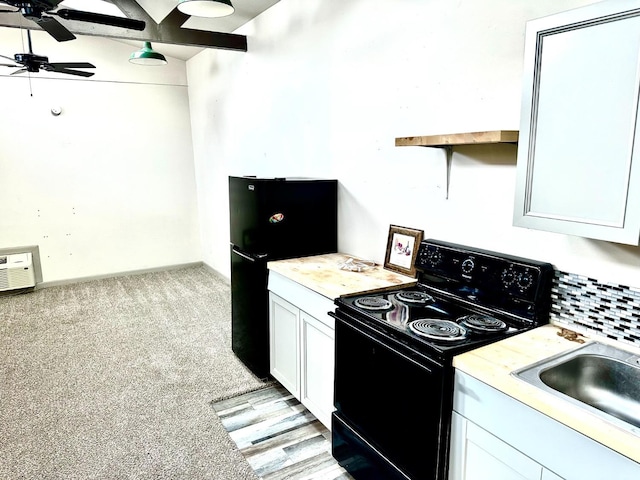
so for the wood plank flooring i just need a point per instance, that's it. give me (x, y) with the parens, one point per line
(279, 437)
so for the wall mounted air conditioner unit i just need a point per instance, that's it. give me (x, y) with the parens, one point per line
(16, 271)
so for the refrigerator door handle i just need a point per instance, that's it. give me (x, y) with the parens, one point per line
(258, 256)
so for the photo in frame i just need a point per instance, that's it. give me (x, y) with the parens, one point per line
(402, 248)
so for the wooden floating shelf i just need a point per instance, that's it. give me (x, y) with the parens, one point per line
(473, 138)
(449, 141)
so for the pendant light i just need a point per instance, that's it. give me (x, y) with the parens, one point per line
(206, 8)
(147, 56)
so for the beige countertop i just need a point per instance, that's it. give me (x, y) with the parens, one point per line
(493, 364)
(322, 274)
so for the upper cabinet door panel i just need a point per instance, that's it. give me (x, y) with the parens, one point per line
(578, 171)
(587, 78)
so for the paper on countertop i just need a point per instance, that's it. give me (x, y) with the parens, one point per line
(353, 265)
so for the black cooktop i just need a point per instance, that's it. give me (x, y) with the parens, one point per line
(465, 298)
(437, 315)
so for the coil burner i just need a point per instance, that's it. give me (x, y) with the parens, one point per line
(373, 303)
(438, 330)
(414, 297)
(482, 323)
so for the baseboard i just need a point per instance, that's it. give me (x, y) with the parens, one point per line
(222, 277)
(68, 281)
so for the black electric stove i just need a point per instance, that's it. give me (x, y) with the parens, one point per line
(436, 326)
(397, 347)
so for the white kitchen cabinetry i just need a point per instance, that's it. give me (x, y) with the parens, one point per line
(578, 167)
(494, 436)
(478, 455)
(301, 344)
(549, 475)
(284, 332)
(317, 360)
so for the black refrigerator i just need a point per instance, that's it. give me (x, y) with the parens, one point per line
(272, 219)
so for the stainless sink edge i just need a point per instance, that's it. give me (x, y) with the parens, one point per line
(531, 375)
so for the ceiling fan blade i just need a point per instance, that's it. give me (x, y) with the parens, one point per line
(7, 65)
(19, 71)
(54, 28)
(60, 68)
(101, 18)
(8, 58)
(72, 65)
(79, 73)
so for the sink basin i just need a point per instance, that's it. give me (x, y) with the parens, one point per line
(598, 377)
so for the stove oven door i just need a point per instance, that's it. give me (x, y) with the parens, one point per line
(393, 407)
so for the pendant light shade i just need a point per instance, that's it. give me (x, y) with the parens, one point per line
(206, 8)
(147, 56)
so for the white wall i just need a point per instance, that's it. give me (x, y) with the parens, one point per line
(324, 90)
(326, 87)
(108, 186)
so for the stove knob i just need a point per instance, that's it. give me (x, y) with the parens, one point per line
(508, 277)
(525, 280)
(467, 266)
(434, 258)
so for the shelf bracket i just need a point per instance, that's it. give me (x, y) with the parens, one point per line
(449, 152)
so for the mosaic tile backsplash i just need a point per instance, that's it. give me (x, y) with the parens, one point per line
(605, 309)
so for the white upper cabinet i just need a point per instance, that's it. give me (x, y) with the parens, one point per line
(578, 162)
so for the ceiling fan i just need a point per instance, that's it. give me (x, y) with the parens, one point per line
(40, 12)
(30, 62)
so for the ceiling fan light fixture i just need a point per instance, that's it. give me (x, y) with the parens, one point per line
(206, 8)
(147, 56)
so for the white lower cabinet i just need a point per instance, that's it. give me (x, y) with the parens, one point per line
(284, 331)
(317, 360)
(496, 437)
(478, 455)
(301, 344)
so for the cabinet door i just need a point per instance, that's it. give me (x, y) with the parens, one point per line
(317, 341)
(284, 328)
(478, 455)
(549, 475)
(578, 162)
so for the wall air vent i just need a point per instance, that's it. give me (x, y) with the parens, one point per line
(16, 272)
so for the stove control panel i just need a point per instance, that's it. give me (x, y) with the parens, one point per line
(491, 278)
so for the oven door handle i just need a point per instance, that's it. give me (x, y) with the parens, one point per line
(394, 345)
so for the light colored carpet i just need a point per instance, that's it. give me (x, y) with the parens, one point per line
(114, 379)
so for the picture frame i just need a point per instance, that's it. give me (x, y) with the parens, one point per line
(402, 249)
